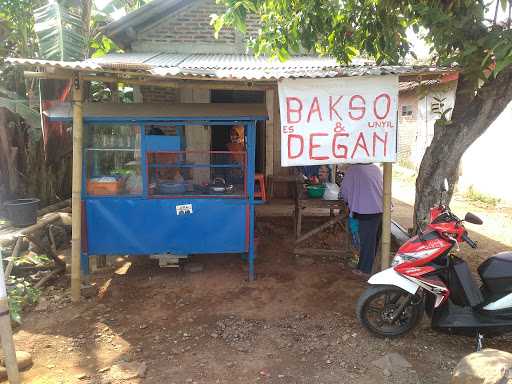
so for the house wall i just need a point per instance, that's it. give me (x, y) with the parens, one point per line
(407, 127)
(416, 132)
(160, 95)
(189, 31)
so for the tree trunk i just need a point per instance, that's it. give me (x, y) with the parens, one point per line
(472, 115)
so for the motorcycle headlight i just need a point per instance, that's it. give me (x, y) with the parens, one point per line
(398, 259)
(402, 257)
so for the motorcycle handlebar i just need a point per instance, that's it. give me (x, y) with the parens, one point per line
(466, 238)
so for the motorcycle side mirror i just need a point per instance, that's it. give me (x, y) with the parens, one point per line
(445, 185)
(473, 219)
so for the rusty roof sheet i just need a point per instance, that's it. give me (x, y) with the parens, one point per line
(227, 66)
(412, 85)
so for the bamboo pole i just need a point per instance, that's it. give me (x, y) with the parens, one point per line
(6, 332)
(386, 216)
(76, 190)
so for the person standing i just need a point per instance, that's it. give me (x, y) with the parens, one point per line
(361, 189)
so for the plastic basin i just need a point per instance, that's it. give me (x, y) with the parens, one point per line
(315, 191)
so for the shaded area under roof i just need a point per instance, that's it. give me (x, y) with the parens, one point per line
(227, 66)
(147, 111)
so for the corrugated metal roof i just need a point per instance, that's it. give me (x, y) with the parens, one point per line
(224, 66)
(72, 65)
(412, 85)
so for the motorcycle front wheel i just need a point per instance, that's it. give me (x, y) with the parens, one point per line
(388, 311)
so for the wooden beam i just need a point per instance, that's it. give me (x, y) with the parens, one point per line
(336, 219)
(386, 216)
(76, 189)
(153, 81)
(47, 75)
(179, 83)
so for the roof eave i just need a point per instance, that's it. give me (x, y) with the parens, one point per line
(123, 31)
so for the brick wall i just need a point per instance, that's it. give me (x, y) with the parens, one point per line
(189, 31)
(159, 95)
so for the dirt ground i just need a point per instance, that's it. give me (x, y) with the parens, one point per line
(294, 324)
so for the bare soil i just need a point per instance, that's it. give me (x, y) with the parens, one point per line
(294, 324)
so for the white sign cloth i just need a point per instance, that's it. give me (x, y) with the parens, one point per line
(338, 120)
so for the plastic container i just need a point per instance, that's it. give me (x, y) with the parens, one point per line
(315, 191)
(172, 188)
(331, 191)
(22, 212)
(101, 188)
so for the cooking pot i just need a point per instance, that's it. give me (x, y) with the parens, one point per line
(219, 186)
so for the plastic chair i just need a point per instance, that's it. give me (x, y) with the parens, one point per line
(260, 192)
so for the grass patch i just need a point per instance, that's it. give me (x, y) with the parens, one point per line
(408, 177)
(473, 195)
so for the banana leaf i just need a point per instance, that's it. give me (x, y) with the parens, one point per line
(60, 33)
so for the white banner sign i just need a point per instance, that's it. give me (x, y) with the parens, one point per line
(340, 120)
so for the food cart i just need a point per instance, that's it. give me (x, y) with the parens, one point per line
(148, 190)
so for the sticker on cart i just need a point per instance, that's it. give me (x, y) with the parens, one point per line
(185, 209)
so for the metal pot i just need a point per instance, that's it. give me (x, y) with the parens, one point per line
(219, 186)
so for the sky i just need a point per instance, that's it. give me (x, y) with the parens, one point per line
(100, 4)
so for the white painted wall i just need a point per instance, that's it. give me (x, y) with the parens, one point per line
(426, 118)
(486, 164)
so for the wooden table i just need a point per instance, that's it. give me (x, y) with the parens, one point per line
(338, 214)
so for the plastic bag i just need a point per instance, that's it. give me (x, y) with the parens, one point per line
(331, 191)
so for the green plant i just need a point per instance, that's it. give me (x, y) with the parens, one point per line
(474, 195)
(408, 177)
(31, 259)
(406, 162)
(60, 33)
(20, 292)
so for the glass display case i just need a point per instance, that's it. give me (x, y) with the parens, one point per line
(197, 173)
(113, 160)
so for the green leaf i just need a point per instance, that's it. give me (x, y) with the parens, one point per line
(60, 33)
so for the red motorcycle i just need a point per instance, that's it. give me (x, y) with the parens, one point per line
(427, 276)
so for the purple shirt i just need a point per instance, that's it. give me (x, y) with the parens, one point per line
(361, 188)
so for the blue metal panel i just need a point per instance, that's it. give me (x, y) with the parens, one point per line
(142, 226)
(162, 143)
(251, 164)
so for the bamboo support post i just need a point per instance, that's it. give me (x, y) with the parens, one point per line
(386, 216)
(8, 348)
(76, 190)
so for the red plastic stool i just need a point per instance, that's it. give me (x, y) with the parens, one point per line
(259, 179)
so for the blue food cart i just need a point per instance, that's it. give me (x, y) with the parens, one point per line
(150, 188)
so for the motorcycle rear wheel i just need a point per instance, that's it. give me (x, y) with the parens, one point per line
(378, 303)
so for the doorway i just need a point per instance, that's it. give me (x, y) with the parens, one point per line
(221, 133)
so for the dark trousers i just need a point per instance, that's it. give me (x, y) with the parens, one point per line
(369, 233)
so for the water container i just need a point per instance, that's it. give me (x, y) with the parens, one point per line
(22, 212)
